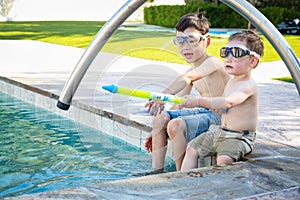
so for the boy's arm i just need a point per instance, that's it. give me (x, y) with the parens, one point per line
(186, 91)
(156, 107)
(183, 82)
(209, 66)
(235, 98)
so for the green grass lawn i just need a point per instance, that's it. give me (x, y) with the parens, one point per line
(155, 45)
(285, 78)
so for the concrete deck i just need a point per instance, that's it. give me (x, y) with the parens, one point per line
(272, 170)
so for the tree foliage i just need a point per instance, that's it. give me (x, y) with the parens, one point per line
(193, 1)
(5, 6)
(290, 4)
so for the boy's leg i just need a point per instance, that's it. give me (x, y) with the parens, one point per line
(231, 150)
(159, 134)
(159, 140)
(176, 131)
(187, 127)
(224, 159)
(190, 160)
(199, 147)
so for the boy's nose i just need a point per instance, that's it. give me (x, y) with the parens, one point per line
(185, 42)
(229, 57)
(228, 60)
(184, 45)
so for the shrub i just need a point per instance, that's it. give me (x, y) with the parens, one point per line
(219, 16)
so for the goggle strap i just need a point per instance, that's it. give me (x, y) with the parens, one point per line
(206, 35)
(255, 54)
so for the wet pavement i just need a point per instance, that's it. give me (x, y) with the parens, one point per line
(272, 170)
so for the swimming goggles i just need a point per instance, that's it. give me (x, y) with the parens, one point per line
(191, 39)
(237, 52)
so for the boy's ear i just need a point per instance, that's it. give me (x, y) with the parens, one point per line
(254, 61)
(207, 41)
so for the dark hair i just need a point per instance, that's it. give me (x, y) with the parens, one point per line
(195, 20)
(252, 39)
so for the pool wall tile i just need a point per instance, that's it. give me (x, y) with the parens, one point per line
(134, 136)
(107, 126)
(71, 113)
(17, 91)
(29, 97)
(84, 117)
(120, 131)
(98, 121)
(9, 89)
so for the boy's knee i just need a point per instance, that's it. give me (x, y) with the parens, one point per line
(224, 159)
(160, 120)
(175, 126)
(191, 152)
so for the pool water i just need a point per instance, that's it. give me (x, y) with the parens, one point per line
(213, 32)
(42, 151)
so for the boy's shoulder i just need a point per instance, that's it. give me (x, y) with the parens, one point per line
(246, 81)
(213, 62)
(249, 85)
(213, 59)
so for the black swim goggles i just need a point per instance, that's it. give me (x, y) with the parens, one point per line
(237, 52)
(192, 39)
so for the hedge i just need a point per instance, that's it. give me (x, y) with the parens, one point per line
(219, 16)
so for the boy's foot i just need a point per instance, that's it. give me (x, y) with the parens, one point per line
(157, 171)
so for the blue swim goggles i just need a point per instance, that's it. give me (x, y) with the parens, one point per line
(237, 52)
(192, 39)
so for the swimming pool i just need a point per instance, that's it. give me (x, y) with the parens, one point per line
(213, 32)
(42, 151)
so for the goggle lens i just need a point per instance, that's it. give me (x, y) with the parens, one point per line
(237, 52)
(191, 40)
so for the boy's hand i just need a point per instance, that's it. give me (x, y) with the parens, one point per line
(190, 102)
(217, 111)
(154, 107)
(148, 144)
